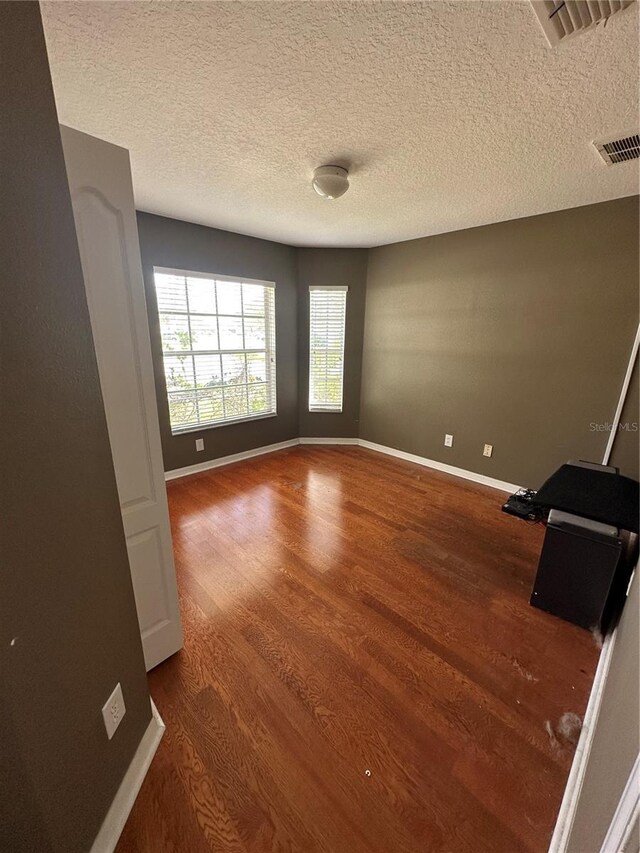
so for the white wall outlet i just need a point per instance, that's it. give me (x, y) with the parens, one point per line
(199, 443)
(113, 711)
(448, 440)
(488, 450)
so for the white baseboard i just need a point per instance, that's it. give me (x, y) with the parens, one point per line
(113, 824)
(358, 442)
(441, 466)
(569, 805)
(227, 460)
(312, 440)
(625, 819)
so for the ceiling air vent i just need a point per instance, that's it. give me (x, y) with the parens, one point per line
(563, 18)
(619, 150)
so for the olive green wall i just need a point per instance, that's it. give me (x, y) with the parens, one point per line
(626, 445)
(182, 245)
(321, 267)
(69, 630)
(516, 334)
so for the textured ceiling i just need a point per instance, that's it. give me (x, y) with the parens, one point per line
(448, 114)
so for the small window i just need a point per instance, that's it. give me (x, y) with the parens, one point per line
(218, 348)
(327, 313)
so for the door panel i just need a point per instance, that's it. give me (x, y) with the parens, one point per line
(102, 195)
(105, 265)
(145, 554)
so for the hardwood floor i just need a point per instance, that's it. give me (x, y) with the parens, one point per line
(362, 670)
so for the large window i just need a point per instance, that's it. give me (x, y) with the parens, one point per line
(326, 347)
(218, 346)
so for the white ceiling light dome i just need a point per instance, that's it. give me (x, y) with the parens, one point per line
(330, 181)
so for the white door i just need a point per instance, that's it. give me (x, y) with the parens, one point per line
(102, 195)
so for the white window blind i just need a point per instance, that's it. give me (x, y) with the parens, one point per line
(327, 314)
(218, 347)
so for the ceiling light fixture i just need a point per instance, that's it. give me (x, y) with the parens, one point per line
(330, 181)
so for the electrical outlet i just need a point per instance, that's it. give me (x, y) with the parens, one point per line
(488, 450)
(448, 440)
(113, 711)
(199, 443)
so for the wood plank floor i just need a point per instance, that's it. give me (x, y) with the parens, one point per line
(362, 670)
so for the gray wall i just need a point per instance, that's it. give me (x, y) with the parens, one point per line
(616, 740)
(182, 245)
(516, 334)
(625, 453)
(69, 627)
(318, 267)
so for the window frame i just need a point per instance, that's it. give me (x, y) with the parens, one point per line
(324, 408)
(269, 350)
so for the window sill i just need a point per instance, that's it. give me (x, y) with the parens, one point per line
(202, 427)
(325, 410)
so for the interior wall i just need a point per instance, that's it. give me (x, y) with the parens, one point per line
(516, 334)
(180, 245)
(69, 626)
(323, 267)
(616, 740)
(625, 453)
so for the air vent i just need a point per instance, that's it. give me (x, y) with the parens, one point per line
(619, 150)
(563, 18)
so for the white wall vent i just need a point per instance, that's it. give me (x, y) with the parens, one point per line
(619, 150)
(563, 18)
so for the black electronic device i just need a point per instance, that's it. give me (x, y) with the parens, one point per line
(520, 505)
(591, 543)
(579, 573)
(593, 491)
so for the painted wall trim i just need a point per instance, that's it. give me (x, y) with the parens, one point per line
(569, 805)
(441, 466)
(228, 460)
(623, 396)
(501, 485)
(313, 440)
(626, 815)
(113, 824)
